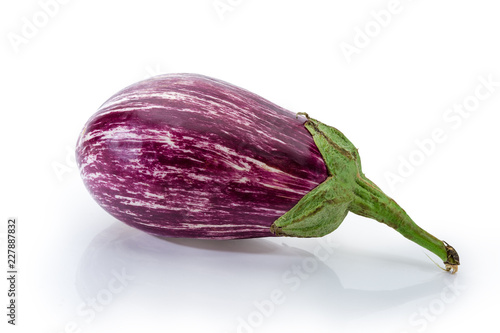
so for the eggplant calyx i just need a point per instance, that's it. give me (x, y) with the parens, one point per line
(346, 189)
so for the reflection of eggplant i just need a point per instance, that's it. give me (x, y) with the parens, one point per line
(223, 279)
(185, 155)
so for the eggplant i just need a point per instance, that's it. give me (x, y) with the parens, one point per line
(186, 155)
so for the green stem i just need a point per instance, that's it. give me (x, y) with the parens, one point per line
(347, 189)
(370, 201)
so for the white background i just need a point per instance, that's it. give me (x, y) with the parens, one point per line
(59, 62)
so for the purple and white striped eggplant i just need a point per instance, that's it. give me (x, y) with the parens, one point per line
(185, 155)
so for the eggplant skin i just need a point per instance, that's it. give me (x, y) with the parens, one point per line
(186, 155)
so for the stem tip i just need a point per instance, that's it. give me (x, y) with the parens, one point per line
(453, 260)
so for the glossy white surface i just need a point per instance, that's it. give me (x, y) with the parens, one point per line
(82, 271)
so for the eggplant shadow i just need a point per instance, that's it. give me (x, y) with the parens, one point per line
(229, 282)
